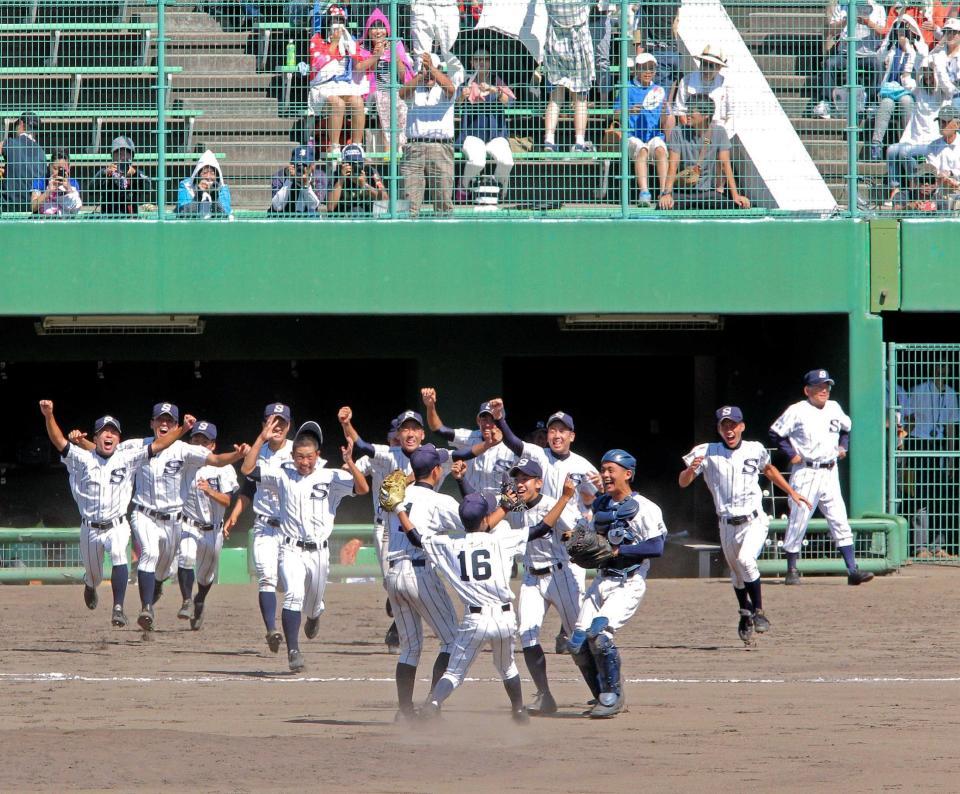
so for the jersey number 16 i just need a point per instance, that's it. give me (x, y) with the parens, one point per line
(479, 566)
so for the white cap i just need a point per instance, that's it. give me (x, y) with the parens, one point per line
(644, 57)
(952, 24)
(712, 54)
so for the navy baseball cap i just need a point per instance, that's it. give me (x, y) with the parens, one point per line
(817, 376)
(311, 429)
(473, 509)
(352, 153)
(621, 457)
(425, 459)
(394, 426)
(731, 412)
(208, 429)
(277, 409)
(484, 409)
(527, 466)
(407, 416)
(166, 408)
(105, 421)
(302, 155)
(561, 417)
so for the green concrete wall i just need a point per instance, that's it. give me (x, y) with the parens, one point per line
(930, 277)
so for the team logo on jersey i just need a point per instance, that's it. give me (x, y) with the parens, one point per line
(319, 491)
(654, 98)
(172, 468)
(117, 475)
(214, 483)
(575, 478)
(503, 466)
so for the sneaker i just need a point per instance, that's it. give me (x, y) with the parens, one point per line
(274, 638)
(90, 597)
(118, 619)
(461, 196)
(646, 200)
(311, 628)
(822, 110)
(561, 642)
(943, 554)
(392, 639)
(295, 660)
(858, 577)
(197, 620)
(429, 711)
(924, 554)
(582, 148)
(792, 577)
(549, 147)
(760, 622)
(608, 705)
(145, 618)
(186, 610)
(543, 705)
(520, 716)
(745, 626)
(334, 151)
(407, 714)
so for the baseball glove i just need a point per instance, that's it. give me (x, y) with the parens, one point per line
(509, 499)
(588, 549)
(393, 490)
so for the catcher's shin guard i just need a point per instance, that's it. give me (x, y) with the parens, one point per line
(583, 658)
(608, 665)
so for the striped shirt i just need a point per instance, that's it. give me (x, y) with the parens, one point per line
(200, 507)
(429, 512)
(477, 566)
(102, 486)
(266, 502)
(159, 481)
(548, 549)
(487, 471)
(732, 475)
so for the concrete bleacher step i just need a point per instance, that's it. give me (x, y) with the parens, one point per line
(252, 197)
(178, 21)
(250, 152)
(230, 127)
(825, 149)
(222, 83)
(220, 106)
(807, 22)
(834, 169)
(202, 63)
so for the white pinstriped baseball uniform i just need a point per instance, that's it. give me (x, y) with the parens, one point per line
(266, 524)
(477, 566)
(200, 546)
(732, 477)
(101, 488)
(412, 582)
(487, 471)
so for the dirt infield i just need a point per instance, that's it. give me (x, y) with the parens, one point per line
(854, 688)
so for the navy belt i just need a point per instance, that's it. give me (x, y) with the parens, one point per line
(156, 514)
(306, 545)
(544, 571)
(812, 465)
(270, 522)
(736, 521)
(478, 610)
(619, 573)
(113, 522)
(199, 525)
(414, 563)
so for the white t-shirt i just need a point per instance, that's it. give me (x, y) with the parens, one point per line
(945, 157)
(717, 89)
(478, 565)
(430, 111)
(732, 475)
(813, 432)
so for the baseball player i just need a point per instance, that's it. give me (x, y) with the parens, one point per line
(308, 495)
(101, 480)
(731, 469)
(157, 501)
(206, 500)
(633, 525)
(487, 472)
(266, 526)
(815, 434)
(477, 566)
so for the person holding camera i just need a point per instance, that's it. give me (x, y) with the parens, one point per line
(204, 194)
(357, 186)
(121, 187)
(299, 188)
(59, 194)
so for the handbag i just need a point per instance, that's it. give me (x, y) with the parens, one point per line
(689, 177)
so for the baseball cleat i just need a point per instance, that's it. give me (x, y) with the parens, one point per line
(186, 610)
(274, 638)
(90, 597)
(760, 622)
(295, 660)
(392, 639)
(197, 620)
(858, 577)
(792, 577)
(406, 714)
(745, 627)
(145, 618)
(311, 628)
(543, 705)
(429, 710)
(561, 642)
(609, 705)
(118, 619)
(520, 716)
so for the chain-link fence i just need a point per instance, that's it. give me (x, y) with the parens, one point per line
(439, 108)
(923, 416)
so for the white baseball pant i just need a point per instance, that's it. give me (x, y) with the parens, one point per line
(491, 625)
(266, 554)
(94, 542)
(821, 487)
(613, 598)
(560, 589)
(741, 546)
(417, 594)
(431, 23)
(476, 151)
(304, 578)
(159, 544)
(200, 549)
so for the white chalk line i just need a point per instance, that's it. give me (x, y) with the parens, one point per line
(275, 678)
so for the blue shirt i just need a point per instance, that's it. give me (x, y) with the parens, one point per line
(645, 124)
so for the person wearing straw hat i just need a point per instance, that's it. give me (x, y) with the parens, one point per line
(707, 81)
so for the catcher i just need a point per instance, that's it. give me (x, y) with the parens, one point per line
(626, 531)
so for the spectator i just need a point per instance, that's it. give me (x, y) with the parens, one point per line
(569, 66)
(943, 154)
(655, 26)
(375, 35)
(25, 163)
(483, 126)
(922, 196)
(901, 52)
(357, 184)
(336, 85)
(300, 188)
(57, 194)
(600, 29)
(435, 22)
(204, 194)
(871, 21)
(646, 103)
(703, 149)
(428, 155)
(707, 81)
(946, 58)
(121, 187)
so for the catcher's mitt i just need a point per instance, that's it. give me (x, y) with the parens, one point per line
(509, 499)
(393, 490)
(588, 549)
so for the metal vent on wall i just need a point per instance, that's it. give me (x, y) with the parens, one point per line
(641, 322)
(120, 325)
